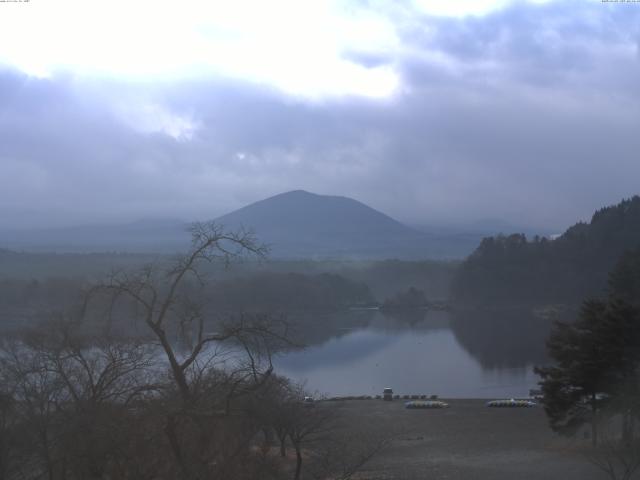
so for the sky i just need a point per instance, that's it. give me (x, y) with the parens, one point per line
(433, 112)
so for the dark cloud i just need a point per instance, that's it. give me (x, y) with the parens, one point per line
(529, 114)
(549, 43)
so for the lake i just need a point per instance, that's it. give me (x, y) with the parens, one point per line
(474, 354)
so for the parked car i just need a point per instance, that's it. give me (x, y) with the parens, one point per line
(387, 394)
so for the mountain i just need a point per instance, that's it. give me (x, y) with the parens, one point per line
(299, 224)
(309, 214)
(303, 224)
(512, 269)
(295, 224)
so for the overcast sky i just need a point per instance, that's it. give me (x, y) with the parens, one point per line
(430, 111)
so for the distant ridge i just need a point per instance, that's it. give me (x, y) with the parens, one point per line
(296, 206)
(303, 224)
(296, 225)
(143, 236)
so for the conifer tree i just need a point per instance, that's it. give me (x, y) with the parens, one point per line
(597, 358)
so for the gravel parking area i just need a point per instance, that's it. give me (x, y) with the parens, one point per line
(468, 441)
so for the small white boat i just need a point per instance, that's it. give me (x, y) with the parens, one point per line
(418, 404)
(511, 403)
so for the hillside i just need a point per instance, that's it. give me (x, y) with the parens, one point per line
(296, 224)
(303, 224)
(512, 269)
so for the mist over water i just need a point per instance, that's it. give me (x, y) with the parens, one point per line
(440, 354)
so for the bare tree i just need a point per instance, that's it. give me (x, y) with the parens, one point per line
(308, 426)
(212, 371)
(189, 401)
(326, 445)
(69, 395)
(35, 393)
(617, 455)
(159, 296)
(9, 429)
(346, 452)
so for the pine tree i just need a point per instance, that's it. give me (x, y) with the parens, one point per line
(573, 387)
(597, 365)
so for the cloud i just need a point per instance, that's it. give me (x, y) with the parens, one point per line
(151, 118)
(563, 42)
(528, 113)
(286, 44)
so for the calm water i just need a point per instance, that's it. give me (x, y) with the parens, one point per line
(480, 355)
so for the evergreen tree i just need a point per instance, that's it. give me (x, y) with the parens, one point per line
(511, 270)
(624, 279)
(597, 365)
(573, 387)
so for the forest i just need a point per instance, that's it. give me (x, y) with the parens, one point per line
(510, 269)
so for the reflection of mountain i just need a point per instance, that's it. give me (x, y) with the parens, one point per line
(341, 338)
(497, 339)
(348, 347)
(502, 338)
(314, 328)
(470, 353)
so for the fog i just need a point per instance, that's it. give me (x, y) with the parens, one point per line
(526, 113)
(317, 239)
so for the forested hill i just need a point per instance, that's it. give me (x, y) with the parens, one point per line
(514, 270)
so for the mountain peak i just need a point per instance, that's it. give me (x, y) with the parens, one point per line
(304, 194)
(297, 192)
(298, 223)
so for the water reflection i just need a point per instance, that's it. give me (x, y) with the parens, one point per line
(463, 354)
(409, 317)
(502, 339)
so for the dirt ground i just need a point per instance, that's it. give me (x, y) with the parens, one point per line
(468, 441)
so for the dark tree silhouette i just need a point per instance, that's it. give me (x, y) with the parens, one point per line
(597, 359)
(509, 269)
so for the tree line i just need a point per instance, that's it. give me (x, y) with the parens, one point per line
(595, 377)
(259, 292)
(514, 270)
(78, 400)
